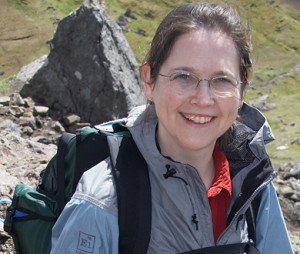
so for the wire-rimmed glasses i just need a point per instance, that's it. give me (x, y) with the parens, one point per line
(222, 86)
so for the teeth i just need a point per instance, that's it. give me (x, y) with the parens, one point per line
(198, 119)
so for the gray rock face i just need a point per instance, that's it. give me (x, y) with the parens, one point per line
(91, 70)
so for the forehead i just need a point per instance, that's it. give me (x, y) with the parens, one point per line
(204, 50)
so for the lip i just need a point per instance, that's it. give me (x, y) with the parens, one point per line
(197, 118)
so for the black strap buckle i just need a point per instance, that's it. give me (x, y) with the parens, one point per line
(10, 212)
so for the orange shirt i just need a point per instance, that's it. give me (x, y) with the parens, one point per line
(219, 193)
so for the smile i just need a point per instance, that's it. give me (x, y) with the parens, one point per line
(197, 119)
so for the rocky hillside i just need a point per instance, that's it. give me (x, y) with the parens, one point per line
(28, 134)
(27, 28)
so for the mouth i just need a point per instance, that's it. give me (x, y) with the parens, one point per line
(197, 119)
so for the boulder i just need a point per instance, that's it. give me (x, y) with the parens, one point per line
(91, 71)
(5, 100)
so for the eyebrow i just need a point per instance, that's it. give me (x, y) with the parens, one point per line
(193, 70)
(184, 68)
(222, 73)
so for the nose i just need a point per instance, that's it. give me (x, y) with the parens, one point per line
(202, 95)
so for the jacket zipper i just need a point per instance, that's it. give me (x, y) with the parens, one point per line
(237, 214)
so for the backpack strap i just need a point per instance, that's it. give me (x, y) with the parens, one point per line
(61, 152)
(238, 248)
(134, 195)
(89, 152)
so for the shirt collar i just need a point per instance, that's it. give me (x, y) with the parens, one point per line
(222, 178)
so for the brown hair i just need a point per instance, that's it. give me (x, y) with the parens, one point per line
(194, 16)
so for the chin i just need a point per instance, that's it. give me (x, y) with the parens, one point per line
(198, 145)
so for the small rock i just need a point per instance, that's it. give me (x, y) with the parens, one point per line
(28, 114)
(40, 110)
(295, 174)
(3, 234)
(295, 184)
(71, 119)
(16, 111)
(296, 141)
(51, 133)
(18, 100)
(57, 127)
(5, 100)
(295, 197)
(286, 191)
(33, 175)
(27, 130)
(43, 140)
(262, 104)
(141, 32)
(38, 122)
(27, 121)
(1, 226)
(3, 110)
(129, 14)
(78, 75)
(77, 126)
(280, 148)
(123, 23)
(26, 102)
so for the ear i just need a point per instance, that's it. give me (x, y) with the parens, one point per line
(241, 100)
(242, 91)
(148, 86)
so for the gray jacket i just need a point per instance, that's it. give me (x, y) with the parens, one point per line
(181, 215)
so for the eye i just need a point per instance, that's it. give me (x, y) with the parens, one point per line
(223, 81)
(181, 77)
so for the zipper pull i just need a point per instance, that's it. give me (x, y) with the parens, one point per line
(170, 172)
(195, 221)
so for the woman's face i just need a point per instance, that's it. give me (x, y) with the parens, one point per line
(194, 119)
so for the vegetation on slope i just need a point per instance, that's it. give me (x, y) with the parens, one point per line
(26, 26)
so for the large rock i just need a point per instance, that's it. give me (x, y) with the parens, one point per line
(90, 71)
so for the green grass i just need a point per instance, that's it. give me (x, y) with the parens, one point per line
(285, 118)
(5, 84)
(63, 7)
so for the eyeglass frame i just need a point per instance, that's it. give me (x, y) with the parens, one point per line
(209, 80)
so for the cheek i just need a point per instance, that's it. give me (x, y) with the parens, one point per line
(230, 107)
(162, 93)
(233, 114)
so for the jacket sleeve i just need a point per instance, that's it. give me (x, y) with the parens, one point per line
(89, 222)
(271, 232)
(85, 228)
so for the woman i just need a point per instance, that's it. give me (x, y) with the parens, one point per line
(204, 148)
